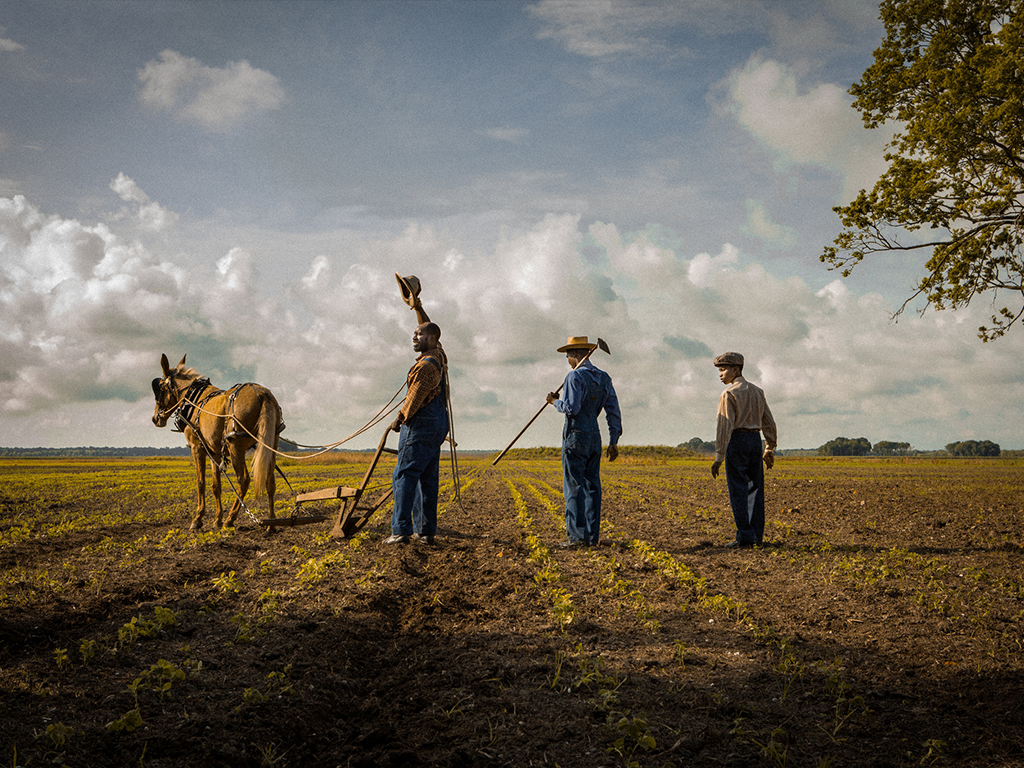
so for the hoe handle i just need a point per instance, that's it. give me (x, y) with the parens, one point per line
(601, 345)
(514, 439)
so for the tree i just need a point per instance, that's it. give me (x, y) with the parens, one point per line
(697, 445)
(845, 446)
(950, 74)
(973, 448)
(889, 448)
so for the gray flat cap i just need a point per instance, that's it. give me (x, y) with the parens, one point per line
(729, 358)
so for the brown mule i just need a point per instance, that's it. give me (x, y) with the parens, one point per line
(221, 424)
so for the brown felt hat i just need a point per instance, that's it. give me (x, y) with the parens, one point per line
(410, 286)
(577, 342)
(729, 358)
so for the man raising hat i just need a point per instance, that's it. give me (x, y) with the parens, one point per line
(743, 413)
(422, 425)
(587, 391)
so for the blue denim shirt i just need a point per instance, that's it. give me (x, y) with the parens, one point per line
(573, 403)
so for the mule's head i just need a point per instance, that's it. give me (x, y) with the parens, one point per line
(167, 389)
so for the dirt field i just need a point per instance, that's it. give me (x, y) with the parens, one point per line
(880, 627)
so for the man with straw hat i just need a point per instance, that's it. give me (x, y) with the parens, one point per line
(587, 391)
(743, 413)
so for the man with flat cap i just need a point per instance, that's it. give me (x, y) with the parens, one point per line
(743, 413)
(586, 392)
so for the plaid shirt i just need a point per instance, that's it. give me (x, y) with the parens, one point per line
(424, 382)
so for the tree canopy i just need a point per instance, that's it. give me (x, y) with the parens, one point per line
(890, 448)
(949, 76)
(973, 448)
(697, 445)
(846, 446)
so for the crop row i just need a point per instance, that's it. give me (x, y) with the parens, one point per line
(623, 595)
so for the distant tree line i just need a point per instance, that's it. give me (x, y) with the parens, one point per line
(697, 445)
(889, 448)
(846, 446)
(973, 448)
(861, 446)
(91, 451)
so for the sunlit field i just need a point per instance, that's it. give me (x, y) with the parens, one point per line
(880, 625)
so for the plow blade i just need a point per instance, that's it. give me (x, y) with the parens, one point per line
(353, 517)
(348, 521)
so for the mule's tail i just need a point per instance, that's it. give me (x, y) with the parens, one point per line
(265, 461)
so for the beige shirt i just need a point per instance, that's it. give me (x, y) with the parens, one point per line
(742, 406)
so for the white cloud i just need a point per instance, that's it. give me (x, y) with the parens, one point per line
(216, 99)
(806, 125)
(128, 190)
(151, 215)
(86, 312)
(760, 225)
(7, 45)
(704, 267)
(71, 294)
(596, 29)
(610, 28)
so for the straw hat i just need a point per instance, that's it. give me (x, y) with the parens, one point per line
(729, 358)
(577, 342)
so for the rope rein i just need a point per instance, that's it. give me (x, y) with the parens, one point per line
(381, 415)
(221, 465)
(452, 445)
(189, 403)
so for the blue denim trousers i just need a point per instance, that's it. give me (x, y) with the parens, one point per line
(415, 480)
(581, 486)
(744, 475)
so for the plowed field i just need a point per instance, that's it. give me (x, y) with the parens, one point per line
(880, 626)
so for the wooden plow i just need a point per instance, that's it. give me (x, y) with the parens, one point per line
(352, 516)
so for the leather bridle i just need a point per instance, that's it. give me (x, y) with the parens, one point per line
(186, 396)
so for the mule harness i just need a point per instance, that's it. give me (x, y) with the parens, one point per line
(187, 405)
(184, 411)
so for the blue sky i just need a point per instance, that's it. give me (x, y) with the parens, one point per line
(240, 182)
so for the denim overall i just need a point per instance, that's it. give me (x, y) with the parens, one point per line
(415, 480)
(581, 464)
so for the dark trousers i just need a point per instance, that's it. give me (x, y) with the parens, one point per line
(581, 486)
(415, 480)
(744, 473)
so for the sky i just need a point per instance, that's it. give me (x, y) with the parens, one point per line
(239, 183)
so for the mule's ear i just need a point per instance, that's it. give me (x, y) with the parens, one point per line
(182, 360)
(165, 365)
